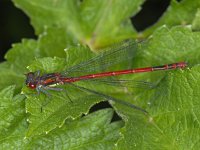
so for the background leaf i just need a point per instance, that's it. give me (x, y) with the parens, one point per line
(90, 22)
(178, 13)
(196, 22)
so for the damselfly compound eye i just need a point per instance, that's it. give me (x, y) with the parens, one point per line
(32, 85)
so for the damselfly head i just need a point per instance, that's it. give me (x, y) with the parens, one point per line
(31, 80)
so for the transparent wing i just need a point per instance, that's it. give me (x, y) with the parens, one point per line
(115, 54)
(123, 83)
(91, 93)
(107, 97)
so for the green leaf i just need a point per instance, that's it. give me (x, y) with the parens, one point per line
(196, 22)
(175, 98)
(49, 113)
(53, 41)
(44, 13)
(9, 76)
(106, 23)
(18, 57)
(48, 64)
(178, 13)
(12, 71)
(13, 123)
(92, 131)
(170, 45)
(50, 44)
(174, 116)
(96, 24)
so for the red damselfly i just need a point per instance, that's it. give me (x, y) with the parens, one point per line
(82, 72)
